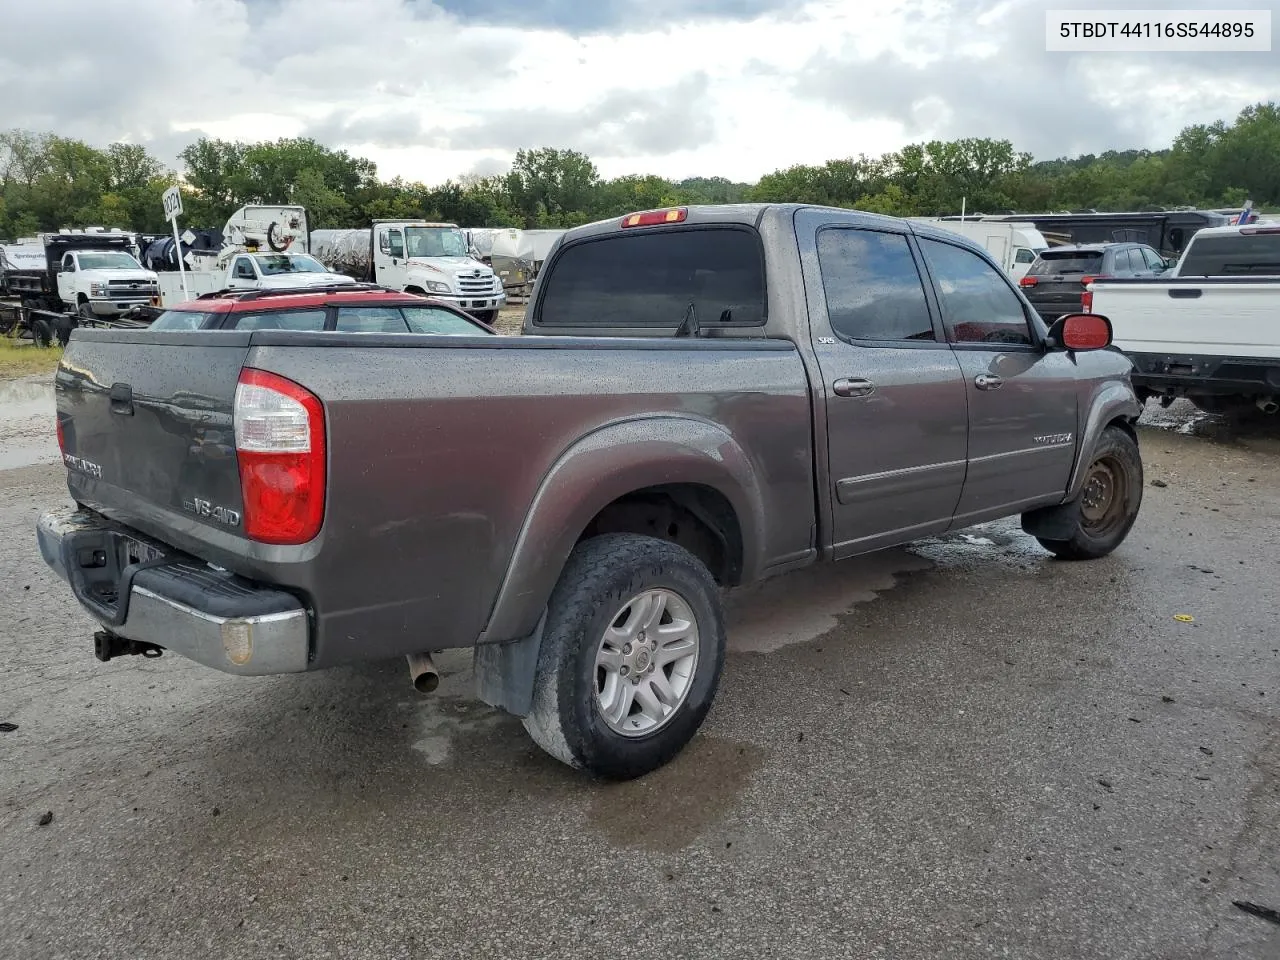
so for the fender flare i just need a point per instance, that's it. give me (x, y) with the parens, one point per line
(1112, 400)
(597, 469)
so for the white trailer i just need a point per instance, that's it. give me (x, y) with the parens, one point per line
(1013, 244)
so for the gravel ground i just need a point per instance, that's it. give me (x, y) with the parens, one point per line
(963, 749)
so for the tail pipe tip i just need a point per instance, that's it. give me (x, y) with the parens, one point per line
(1268, 405)
(423, 672)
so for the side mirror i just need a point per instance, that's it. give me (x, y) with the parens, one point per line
(1080, 331)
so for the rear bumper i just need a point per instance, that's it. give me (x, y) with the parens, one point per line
(1204, 375)
(142, 590)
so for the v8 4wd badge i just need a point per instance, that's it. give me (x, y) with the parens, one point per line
(209, 511)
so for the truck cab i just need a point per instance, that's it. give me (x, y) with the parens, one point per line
(279, 271)
(434, 259)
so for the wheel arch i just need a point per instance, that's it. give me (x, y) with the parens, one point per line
(626, 477)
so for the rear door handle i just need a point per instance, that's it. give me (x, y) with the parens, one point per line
(853, 387)
(985, 381)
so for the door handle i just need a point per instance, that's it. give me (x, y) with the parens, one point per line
(853, 387)
(985, 381)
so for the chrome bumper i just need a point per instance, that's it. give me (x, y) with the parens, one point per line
(145, 591)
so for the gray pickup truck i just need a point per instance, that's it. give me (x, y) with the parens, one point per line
(704, 397)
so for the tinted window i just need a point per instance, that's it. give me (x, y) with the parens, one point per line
(872, 286)
(180, 320)
(244, 270)
(438, 321)
(282, 320)
(1153, 259)
(649, 279)
(1053, 264)
(1024, 256)
(978, 306)
(370, 320)
(1232, 255)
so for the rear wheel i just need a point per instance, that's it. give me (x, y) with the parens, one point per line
(630, 659)
(1109, 502)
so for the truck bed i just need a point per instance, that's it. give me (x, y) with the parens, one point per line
(437, 447)
(1219, 316)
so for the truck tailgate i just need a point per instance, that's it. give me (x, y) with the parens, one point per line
(146, 427)
(1217, 317)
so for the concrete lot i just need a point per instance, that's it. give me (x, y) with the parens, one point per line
(964, 749)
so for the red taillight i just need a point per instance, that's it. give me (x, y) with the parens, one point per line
(1086, 298)
(653, 217)
(280, 443)
(62, 437)
(1028, 282)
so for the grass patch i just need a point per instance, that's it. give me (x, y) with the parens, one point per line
(20, 358)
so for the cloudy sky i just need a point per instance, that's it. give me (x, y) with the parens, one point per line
(735, 88)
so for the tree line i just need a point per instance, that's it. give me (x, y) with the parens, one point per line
(48, 182)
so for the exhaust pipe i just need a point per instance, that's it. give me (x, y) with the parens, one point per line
(1268, 404)
(423, 672)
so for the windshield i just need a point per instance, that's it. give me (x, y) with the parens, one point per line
(108, 261)
(272, 264)
(434, 242)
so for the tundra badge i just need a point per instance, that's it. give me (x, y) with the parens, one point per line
(1053, 438)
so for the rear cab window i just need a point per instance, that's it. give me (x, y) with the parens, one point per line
(1232, 255)
(647, 279)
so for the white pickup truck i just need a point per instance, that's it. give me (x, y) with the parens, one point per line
(1210, 331)
(92, 273)
(104, 283)
(279, 271)
(416, 256)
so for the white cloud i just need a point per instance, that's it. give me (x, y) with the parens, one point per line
(727, 87)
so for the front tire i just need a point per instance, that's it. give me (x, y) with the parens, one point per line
(630, 658)
(1109, 504)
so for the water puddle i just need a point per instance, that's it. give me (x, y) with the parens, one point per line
(27, 432)
(802, 606)
(671, 807)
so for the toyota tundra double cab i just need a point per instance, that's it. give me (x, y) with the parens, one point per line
(703, 397)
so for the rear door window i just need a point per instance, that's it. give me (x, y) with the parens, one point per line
(872, 286)
(1066, 263)
(649, 279)
(282, 320)
(370, 320)
(181, 320)
(435, 320)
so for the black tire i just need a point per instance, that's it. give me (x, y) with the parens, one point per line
(487, 316)
(85, 311)
(1118, 464)
(600, 577)
(41, 332)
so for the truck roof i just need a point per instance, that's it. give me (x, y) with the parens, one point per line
(750, 214)
(239, 301)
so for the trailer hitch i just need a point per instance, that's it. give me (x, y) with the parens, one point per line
(108, 645)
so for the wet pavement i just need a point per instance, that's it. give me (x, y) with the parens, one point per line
(961, 749)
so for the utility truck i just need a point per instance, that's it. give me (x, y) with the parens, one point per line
(416, 256)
